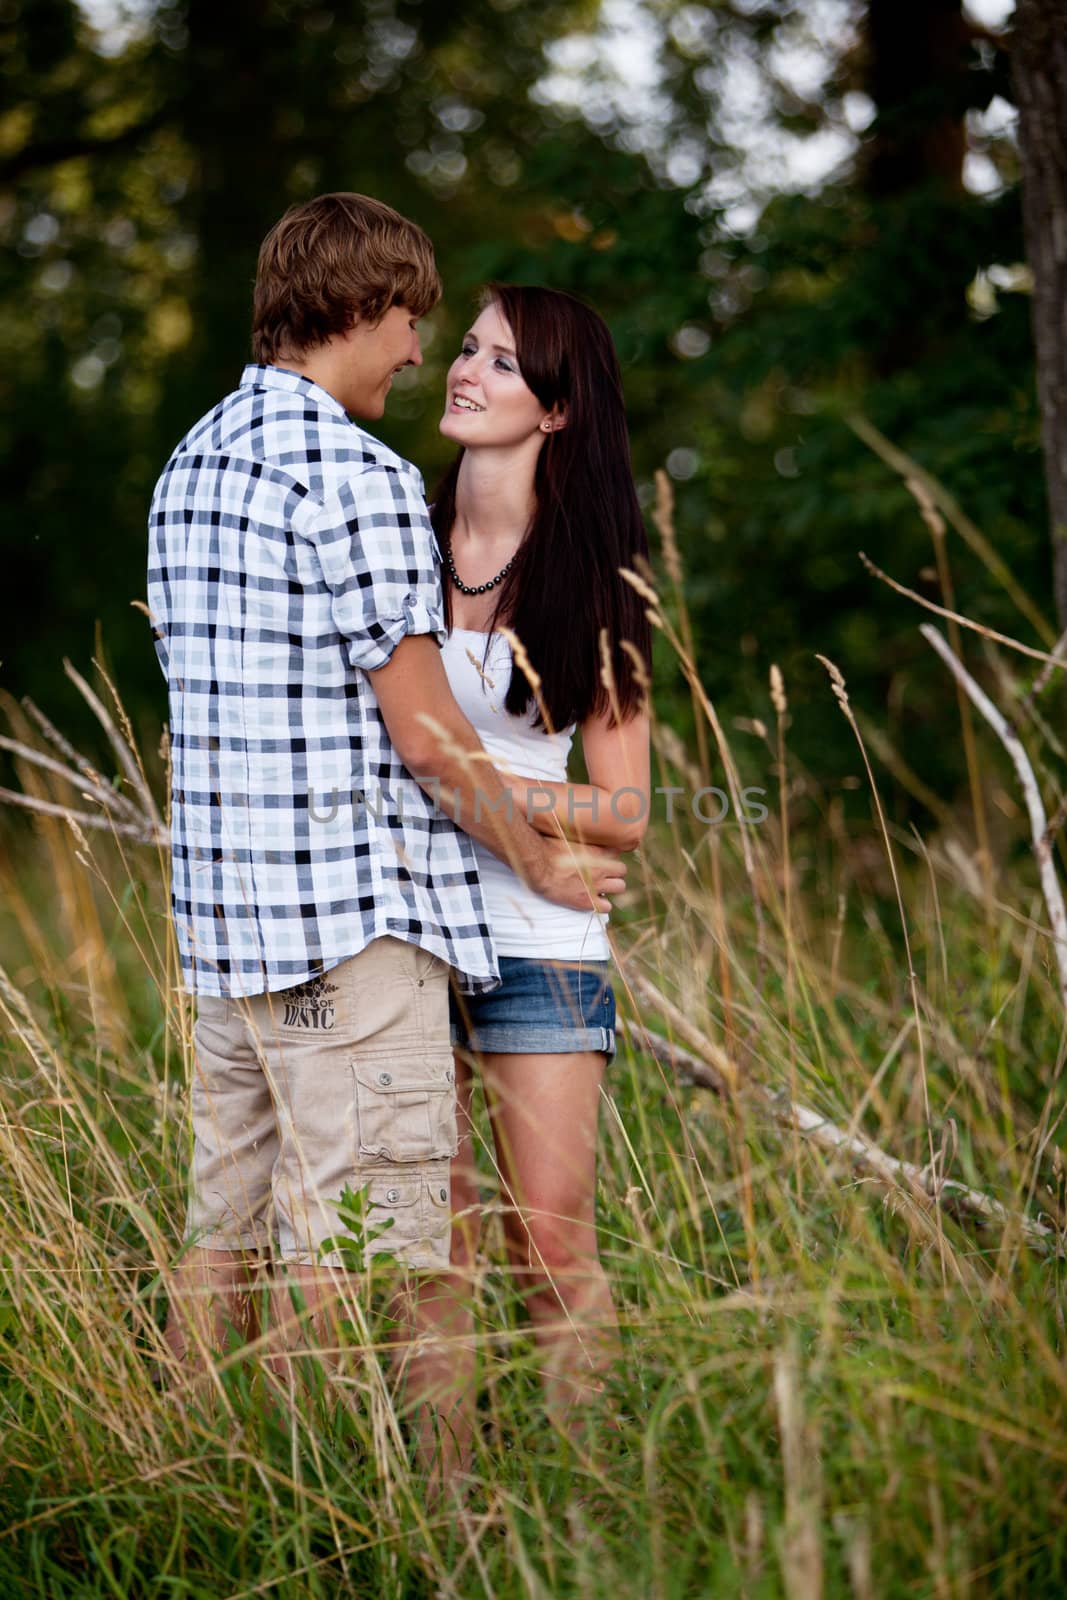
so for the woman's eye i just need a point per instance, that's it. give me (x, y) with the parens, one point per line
(467, 350)
(504, 364)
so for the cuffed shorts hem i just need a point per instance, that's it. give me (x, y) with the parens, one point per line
(402, 1261)
(542, 1007)
(500, 1039)
(244, 1242)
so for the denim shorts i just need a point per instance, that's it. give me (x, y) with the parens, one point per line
(541, 1008)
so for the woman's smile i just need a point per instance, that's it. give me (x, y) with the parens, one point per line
(485, 377)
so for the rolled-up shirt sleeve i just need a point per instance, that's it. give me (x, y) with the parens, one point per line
(380, 561)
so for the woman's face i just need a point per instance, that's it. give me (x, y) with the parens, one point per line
(487, 401)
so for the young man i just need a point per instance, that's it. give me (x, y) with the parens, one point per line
(319, 895)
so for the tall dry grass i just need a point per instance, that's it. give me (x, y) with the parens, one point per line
(831, 1205)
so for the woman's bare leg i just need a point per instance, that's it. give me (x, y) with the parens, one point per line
(544, 1112)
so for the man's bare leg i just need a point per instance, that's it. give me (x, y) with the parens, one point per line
(213, 1292)
(438, 1360)
(306, 1305)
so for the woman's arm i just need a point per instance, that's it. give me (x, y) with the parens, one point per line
(612, 808)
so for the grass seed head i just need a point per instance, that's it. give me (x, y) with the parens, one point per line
(778, 698)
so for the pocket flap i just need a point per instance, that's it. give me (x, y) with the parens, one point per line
(393, 1193)
(386, 1074)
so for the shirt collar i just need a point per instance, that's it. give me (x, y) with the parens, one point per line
(260, 377)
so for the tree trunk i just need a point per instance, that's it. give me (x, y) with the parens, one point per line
(1040, 69)
(237, 95)
(917, 77)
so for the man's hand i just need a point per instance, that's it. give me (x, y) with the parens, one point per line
(579, 876)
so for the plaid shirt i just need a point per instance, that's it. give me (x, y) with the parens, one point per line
(289, 553)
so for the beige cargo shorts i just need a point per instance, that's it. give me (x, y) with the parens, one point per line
(346, 1080)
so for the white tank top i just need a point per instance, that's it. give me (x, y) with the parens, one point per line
(522, 923)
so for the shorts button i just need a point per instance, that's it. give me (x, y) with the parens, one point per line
(421, 982)
(392, 1195)
(443, 1194)
(385, 1077)
(450, 1076)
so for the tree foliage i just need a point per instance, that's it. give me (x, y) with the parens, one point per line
(753, 311)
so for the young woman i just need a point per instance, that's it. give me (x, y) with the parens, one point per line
(534, 519)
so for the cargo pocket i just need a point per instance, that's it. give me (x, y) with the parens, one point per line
(393, 1200)
(406, 1109)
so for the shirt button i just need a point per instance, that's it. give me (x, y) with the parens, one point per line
(385, 1077)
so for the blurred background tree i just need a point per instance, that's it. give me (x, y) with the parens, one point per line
(1040, 60)
(787, 212)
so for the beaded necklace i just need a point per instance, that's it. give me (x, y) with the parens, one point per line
(478, 588)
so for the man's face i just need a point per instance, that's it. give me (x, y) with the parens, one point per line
(374, 355)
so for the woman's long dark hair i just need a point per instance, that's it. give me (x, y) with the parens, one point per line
(564, 586)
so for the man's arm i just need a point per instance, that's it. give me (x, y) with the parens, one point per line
(444, 755)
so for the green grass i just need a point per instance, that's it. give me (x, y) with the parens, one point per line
(832, 1384)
